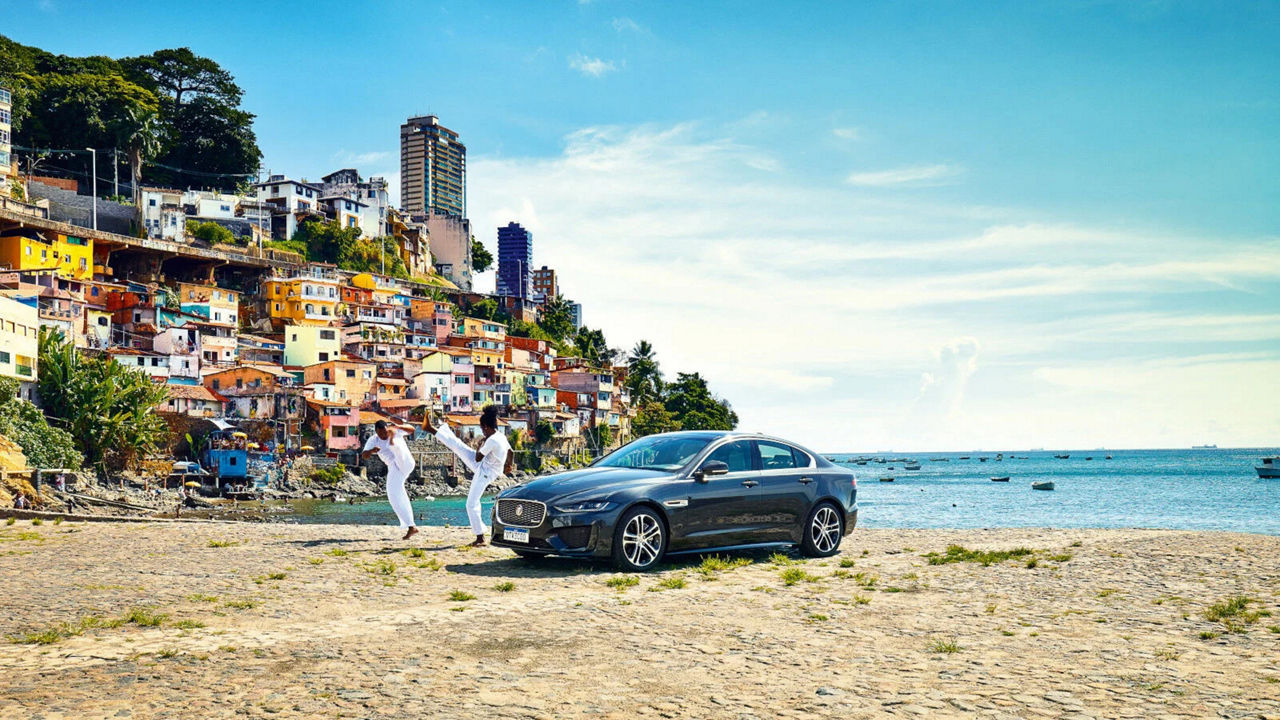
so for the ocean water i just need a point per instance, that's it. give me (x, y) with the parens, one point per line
(1174, 489)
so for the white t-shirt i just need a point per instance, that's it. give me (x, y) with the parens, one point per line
(494, 449)
(393, 451)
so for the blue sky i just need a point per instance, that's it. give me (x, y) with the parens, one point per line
(935, 225)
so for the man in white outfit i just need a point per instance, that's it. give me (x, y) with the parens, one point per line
(488, 463)
(389, 444)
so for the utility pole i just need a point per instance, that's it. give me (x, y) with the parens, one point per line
(115, 171)
(94, 189)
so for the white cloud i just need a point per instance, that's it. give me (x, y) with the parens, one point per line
(593, 67)
(847, 133)
(347, 157)
(915, 175)
(854, 321)
(626, 24)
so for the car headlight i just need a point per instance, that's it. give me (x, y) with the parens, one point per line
(585, 506)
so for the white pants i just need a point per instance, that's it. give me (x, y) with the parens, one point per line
(479, 480)
(398, 498)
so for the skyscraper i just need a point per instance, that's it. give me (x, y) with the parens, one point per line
(515, 255)
(433, 168)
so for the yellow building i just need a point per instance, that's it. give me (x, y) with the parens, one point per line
(384, 289)
(70, 256)
(310, 296)
(19, 342)
(486, 329)
(310, 344)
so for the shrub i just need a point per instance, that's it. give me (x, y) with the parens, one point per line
(330, 475)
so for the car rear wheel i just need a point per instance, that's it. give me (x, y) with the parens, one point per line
(639, 540)
(823, 531)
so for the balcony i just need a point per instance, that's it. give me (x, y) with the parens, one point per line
(25, 370)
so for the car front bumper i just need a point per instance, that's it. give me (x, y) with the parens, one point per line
(569, 534)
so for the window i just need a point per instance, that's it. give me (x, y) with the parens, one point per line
(326, 373)
(368, 374)
(152, 202)
(295, 337)
(326, 335)
(5, 357)
(351, 373)
(324, 356)
(216, 384)
(775, 456)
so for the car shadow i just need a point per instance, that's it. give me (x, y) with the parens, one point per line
(518, 567)
(323, 543)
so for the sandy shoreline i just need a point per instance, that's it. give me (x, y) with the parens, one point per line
(345, 621)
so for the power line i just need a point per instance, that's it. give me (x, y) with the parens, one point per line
(145, 162)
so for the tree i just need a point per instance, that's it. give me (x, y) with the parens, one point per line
(557, 318)
(213, 144)
(644, 379)
(138, 132)
(23, 423)
(653, 417)
(178, 74)
(108, 409)
(689, 399)
(210, 232)
(592, 347)
(481, 259)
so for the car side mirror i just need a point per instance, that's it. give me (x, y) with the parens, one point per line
(709, 468)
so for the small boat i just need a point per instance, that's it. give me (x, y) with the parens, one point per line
(1061, 457)
(1204, 447)
(1004, 478)
(861, 462)
(939, 459)
(964, 457)
(1269, 469)
(913, 466)
(1089, 458)
(430, 498)
(1108, 457)
(886, 479)
(982, 459)
(1042, 485)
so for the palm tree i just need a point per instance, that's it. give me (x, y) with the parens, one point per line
(644, 378)
(139, 133)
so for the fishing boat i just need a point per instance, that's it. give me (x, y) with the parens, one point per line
(1042, 485)
(886, 479)
(860, 462)
(1269, 468)
(939, 459)
(1003, 478)
(982, 459)
(912, 466)
(1061, 457)
(964, 457)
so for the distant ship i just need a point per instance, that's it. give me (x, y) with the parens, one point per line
(1269, 469)
(1204, 447)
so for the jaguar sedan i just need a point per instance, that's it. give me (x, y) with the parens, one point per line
(682, 492)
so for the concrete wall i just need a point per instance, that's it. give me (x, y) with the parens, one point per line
(66, 206)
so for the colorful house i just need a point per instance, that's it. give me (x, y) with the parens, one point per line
(310, 295)
(310, 344)
(193, 401)
(352, 380)
(19, 342)
(215, 304)
(27, 249)
(337, 423)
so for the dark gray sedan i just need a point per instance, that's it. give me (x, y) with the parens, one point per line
(682, 492)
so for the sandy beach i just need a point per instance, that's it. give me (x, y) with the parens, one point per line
(151, 620)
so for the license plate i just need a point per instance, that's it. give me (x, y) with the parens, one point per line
(515, 535)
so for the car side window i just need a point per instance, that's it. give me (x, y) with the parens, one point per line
(802, 458)
(775, 456)
(737, 455)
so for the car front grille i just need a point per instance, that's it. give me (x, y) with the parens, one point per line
(574, 537)
(521, 513)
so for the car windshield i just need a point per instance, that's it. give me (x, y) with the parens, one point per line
(656, 453)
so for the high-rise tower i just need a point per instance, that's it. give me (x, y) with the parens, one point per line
(433, 168)
(515, 255)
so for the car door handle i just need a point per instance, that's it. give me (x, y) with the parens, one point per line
(806, 480)
(749, 483)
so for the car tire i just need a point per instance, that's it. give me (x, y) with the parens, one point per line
(823, 530)
(639, 540)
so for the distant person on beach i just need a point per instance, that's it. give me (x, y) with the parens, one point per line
(389, 444)
(20, 502)
(491, 461)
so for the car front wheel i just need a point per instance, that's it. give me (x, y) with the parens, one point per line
(823, 531)
(639, 540)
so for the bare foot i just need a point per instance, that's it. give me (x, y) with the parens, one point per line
(410, 533)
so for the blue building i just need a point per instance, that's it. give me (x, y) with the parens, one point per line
(515, 260)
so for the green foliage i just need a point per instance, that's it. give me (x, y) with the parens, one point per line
(599, 437)
(171, 107)
(557, 319)
(23, 423)
(689, 399)
(210, 232)
(644, 378)
(331, 475)
(481, 258)
(329, 242)
(108, 409)
(543, 432)
(959, 553)
(591, 346)
(653, 417)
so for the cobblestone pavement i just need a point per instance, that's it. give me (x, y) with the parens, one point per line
(240, 620)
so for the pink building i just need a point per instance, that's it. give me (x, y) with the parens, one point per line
(339, 424)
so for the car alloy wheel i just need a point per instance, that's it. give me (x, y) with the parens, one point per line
(642, 540)
(824, 531)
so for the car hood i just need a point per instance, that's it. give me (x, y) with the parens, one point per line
(588, 483)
